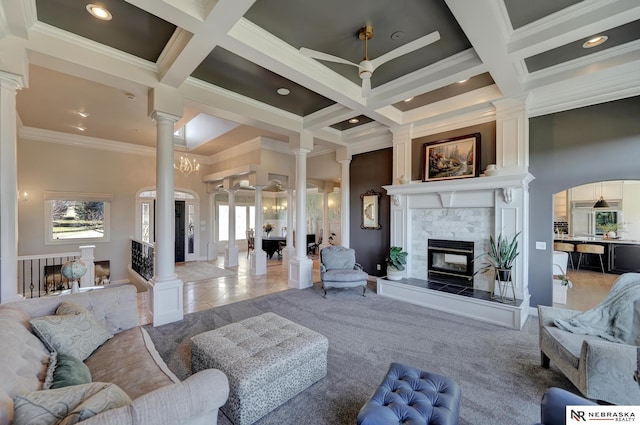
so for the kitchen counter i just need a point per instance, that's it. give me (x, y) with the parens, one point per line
(597, 239)
(620, 255)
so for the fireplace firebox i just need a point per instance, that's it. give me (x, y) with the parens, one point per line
(450, 262)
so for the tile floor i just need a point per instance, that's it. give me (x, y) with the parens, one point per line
(206, 294)
(589, 288)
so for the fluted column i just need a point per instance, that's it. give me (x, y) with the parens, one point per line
(231, 252)
(9, 84)
(258, 258)
(167, 298)
(344, 199)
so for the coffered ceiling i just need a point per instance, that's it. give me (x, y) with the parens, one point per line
(228, 58)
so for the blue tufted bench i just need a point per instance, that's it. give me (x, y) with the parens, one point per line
(411, 396)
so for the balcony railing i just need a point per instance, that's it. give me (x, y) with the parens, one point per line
(39, 275)
(142, 259)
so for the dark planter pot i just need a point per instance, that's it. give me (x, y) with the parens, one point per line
(504, 275)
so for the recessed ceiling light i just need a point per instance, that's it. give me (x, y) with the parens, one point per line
(354, 120)
(409, 99)
(595, 41)
(80, 128)
(130, 96)
(83, 114)
(282, 91)
(99, 12)
(463, 81)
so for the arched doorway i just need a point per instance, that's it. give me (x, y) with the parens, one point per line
(187, 207)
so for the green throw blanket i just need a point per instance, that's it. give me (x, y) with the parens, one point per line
(612, 319)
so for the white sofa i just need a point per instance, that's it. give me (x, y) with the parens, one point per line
(128, 359)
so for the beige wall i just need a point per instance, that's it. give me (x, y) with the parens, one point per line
(46, 166)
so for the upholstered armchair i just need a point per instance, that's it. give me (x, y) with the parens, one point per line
(338, 269)
(601, 368)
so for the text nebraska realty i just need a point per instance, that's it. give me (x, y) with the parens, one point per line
(580, 415)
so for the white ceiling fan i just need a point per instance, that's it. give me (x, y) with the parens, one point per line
(366, 67)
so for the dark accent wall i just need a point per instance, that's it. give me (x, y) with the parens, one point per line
(487, 146)
(370, 171)
(571, 148)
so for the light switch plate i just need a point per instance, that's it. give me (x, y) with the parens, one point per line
(541, 245)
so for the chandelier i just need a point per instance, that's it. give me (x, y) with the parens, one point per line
(187, 165)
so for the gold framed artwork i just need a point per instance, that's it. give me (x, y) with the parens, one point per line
(455, 158)
(370, 210)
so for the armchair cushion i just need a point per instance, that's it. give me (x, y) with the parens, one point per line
(338, 257)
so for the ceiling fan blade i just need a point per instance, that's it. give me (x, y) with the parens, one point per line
(407, 48)
(366, 87)
(324, 56)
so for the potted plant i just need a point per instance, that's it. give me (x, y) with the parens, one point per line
(396, 259)
(267, 228)
(610, 230)
(501, 256)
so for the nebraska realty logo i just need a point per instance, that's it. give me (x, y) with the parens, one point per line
(582, 414)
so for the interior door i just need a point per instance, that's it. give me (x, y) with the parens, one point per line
(179, 231)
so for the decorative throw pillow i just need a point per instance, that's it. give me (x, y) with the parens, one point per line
(77, 334)
(68, 370)
(68, 405)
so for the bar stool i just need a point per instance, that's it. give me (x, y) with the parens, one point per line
(586, 248)
(565, 247)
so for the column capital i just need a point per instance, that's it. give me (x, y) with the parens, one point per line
(401, 131)
(163, 116)
(13, 81)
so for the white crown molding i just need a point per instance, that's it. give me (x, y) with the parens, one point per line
(67, 37)
(618, 55)
(473, 115)
(608, 85)
(85, 142)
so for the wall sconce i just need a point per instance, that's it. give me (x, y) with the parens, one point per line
(24, 196)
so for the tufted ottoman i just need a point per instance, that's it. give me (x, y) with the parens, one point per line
(411, 396)
(268, 360)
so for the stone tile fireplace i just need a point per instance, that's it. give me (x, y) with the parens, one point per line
(459, 215)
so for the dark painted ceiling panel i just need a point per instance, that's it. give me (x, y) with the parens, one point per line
(131, 30)
(319, 25)
(617, 36)
(232, 72)
(346, 125)
(523, 12)
(446, 92)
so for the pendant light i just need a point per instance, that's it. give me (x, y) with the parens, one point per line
(601, 203)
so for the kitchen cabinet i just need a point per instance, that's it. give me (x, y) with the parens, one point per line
(624, 258)
(560, 206)
(593, 191)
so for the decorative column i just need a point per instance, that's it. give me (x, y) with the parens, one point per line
(258, 258)
(512, 136)
(401, 153)
(166, 288)
(289, 250)
(301, 267)
(344, 158)
(231, 251)
(9, 84)
(326, 232)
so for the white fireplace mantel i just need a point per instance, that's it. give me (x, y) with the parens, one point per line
(504, 195)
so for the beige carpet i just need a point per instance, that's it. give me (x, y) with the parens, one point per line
(200, 270)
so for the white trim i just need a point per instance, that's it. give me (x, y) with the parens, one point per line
(76, 196)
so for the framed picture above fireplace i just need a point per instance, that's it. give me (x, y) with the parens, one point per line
(455, 158)
(370, 210)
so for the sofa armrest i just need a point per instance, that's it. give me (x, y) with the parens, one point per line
(608, 369)
(358, 266)
(547, 315)
(190, 401)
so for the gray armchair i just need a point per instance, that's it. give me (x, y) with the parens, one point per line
(600, 369)
(338, 269)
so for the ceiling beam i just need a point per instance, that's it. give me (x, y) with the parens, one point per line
(488, 29)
